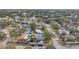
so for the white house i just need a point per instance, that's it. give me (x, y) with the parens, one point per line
(63, 31)
(39, 35)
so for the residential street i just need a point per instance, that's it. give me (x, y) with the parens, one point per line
(54, 40)
(39, 29)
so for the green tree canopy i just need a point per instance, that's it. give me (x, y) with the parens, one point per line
(33, 26)
(48, 35)
(2, 35)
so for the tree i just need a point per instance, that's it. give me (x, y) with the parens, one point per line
(13, 32)
(63, 21)
(33, 26)
(2, 35)
(33, 38)
(3, 24)
(54, 24)
(43, 27)
(48, 36)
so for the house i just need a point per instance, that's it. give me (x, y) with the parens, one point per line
(62, 30)
(24, 14)
(17, 17)
(21, 37)
(39, 35)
